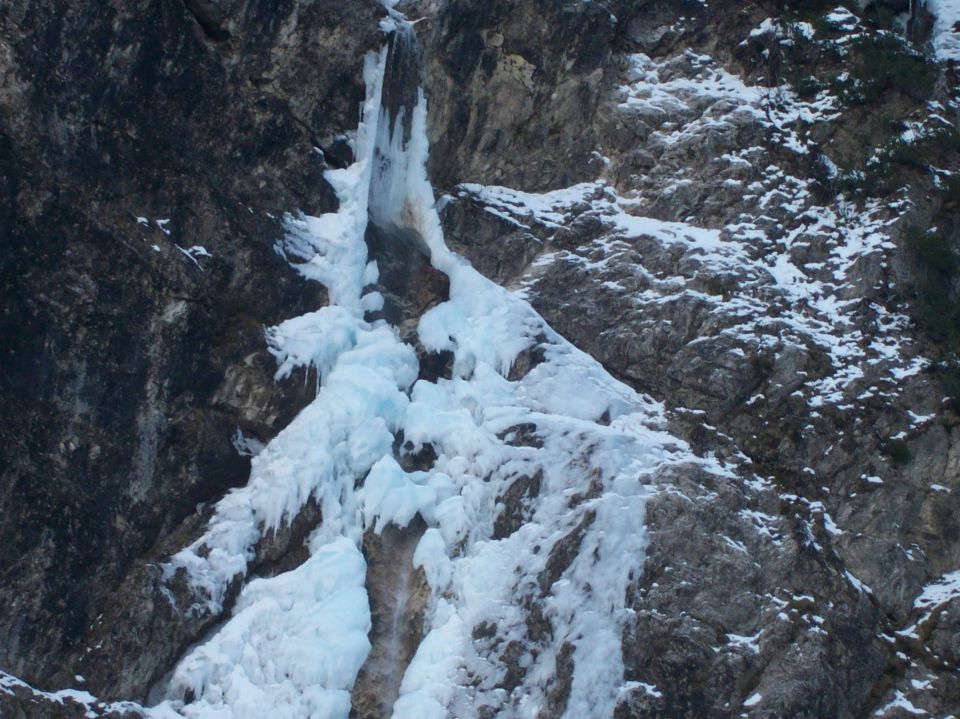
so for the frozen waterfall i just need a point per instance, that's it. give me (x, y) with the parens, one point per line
(580, 446)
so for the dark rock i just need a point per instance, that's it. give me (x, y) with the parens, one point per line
(408, 282)
(515, 503)
(127, 370)
(398, 599)
(499, 248)
(509, 82)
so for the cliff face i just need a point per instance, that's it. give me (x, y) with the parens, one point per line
(787, 345)
(743, 210)
(147, 161)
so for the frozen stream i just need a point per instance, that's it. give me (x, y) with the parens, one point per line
(583, 444)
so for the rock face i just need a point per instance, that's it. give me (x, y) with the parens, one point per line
(847, 463)
(149, 153)
(533, 74)
(399, 595)
(720, 202)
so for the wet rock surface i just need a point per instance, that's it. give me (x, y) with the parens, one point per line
(398, 599)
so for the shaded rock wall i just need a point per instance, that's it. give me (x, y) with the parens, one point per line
(129, 360)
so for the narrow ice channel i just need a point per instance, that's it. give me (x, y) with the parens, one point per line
(294, 643)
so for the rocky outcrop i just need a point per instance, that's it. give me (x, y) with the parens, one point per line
(846, 458)
(398, 599)
(514, 89)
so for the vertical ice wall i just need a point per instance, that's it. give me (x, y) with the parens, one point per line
(400, 97)
(294, 642)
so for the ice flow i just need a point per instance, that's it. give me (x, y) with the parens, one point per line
(567, 547)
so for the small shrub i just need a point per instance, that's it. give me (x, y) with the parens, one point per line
(937, 266)
(949, 374)
(932, 252)
(883, 63)
(813, 11)
(880, 178)
(882, 15)
(949, 191)
(807, 87)
(898, 451)
(940, 316)
(884, 172)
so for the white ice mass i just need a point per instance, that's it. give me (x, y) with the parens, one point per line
(294, 643)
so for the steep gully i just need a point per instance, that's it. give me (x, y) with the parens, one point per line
(397, 592)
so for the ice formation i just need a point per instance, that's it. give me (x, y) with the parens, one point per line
(295, 642)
